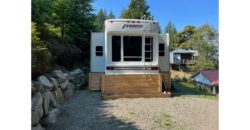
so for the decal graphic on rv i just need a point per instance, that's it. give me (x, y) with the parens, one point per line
(132, 26)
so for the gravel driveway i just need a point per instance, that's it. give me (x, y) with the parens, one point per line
(87, 111)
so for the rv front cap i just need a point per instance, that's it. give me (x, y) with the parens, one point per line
(132, 26)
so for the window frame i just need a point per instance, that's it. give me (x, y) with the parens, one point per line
(150, 51)
(161, 52)
(120, 51)
(98, 52)
(132, 57)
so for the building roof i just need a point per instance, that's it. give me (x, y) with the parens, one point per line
(211, 75)
(179, 50)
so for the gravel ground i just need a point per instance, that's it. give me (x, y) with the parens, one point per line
(87, 111)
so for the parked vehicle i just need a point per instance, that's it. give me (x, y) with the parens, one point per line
(130, 58)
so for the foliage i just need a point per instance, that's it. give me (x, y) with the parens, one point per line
(164, 121)
(65, 54)
(41, 56)
(100, 18)
(111, 15)
(182, 37)
(99, 21)
(136, 9)
(66, 23)
(190, 87)
(41, 11)
(203, 39)
(171, 30)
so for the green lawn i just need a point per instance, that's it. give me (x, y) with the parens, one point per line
(187, 87)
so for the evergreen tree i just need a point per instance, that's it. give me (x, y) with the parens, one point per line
(99, 21)
(171, 30)
(136, 9)
(111, 15)
(61, 14)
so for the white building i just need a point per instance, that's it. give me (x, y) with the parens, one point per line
(207, 79)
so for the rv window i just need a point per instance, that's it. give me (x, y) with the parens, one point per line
(116, 48)
(161, 49)
(148, 49)
(98, 51)
(132, 48)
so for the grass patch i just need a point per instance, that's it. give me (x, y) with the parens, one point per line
(164, 121)
(131, 113)
(190, 87)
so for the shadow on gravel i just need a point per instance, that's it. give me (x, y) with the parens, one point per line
(86, 111)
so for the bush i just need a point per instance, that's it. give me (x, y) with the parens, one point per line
(184, 79)
(65, 54)
(41, 56)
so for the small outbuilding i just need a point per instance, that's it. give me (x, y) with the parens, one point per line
(207, 80)
(182, 57)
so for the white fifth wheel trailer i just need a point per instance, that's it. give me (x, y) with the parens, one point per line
(130, 59)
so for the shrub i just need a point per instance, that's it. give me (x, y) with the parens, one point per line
(184, 79)
(65, 54)
(41, 56)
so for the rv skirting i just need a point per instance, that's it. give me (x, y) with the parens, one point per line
(134, 85)
(95, 81)
(166, 78)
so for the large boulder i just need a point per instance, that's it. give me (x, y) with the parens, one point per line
(76, 72)
(64, 85)
(58, 95)
(51, 117)
(38, 86)
(45, 82)
(37, 108)
(85, 70)
(78, 78)
(54, 82)
(60, 76)
(69, 91)
(48, 101)
(38, 127)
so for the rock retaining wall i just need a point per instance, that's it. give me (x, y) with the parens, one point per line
(51, 89)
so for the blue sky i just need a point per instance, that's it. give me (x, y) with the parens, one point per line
(180, 12)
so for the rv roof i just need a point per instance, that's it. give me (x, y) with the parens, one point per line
(125, 20)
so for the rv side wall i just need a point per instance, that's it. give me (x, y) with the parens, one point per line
(97, 56)
(164, 60)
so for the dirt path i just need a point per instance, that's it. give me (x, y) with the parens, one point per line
(87, 111)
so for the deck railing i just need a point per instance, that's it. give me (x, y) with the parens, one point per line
(184, 61)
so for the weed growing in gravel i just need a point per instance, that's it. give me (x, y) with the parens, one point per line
(164, 121)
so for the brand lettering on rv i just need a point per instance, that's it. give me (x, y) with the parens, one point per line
(132, 26)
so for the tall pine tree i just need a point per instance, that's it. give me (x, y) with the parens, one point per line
(171, 30)
(99, 21)
(136, 9)
(111, 15)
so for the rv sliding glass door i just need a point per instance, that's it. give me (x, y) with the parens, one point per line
(129, 48)
(132, 48)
